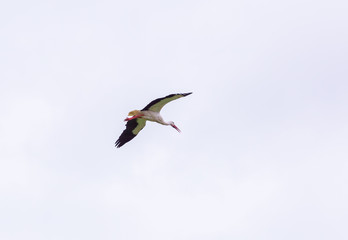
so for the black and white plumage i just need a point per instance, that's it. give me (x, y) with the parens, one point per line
(150, 112)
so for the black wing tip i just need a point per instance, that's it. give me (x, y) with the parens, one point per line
(127, 134)
(118, 144)
(180, 94)
(122, 141)
(186, 94)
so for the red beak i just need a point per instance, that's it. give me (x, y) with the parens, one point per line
(175, 127)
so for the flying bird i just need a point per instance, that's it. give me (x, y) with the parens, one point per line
(151, 112)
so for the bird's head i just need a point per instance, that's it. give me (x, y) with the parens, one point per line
(134, 113)
(174, 126)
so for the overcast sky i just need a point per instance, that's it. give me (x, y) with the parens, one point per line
(263, 151)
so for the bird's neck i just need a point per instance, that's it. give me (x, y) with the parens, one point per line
(161, 121)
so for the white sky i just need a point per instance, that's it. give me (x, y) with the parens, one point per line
(263, 150)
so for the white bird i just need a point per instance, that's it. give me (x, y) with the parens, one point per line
(151, 113)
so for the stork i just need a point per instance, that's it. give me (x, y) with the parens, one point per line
(151, 112)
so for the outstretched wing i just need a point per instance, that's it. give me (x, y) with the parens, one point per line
(133, 127)
(157, 104)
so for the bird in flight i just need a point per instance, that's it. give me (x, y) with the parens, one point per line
(151, 112)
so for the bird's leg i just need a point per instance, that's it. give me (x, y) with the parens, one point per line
(134, 117)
